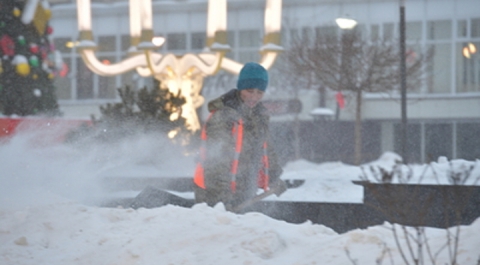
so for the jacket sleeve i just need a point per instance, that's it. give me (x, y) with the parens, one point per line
(220, 152)
(275, 170)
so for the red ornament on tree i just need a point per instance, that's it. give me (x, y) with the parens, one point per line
(7, 45)
(49, 30)
(33, 48)
(43, 52)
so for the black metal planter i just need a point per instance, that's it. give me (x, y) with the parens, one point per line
(439, 206)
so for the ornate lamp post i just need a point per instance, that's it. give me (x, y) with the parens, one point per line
(185, 72)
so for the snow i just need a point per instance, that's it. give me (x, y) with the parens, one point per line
(322, 112)
(49, 214)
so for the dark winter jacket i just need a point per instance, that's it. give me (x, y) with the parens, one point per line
(227, 110)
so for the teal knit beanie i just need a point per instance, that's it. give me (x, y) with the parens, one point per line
(253, 75)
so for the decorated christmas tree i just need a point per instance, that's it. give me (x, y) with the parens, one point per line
(28, 60)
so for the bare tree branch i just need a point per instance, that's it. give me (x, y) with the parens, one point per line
(353, 65)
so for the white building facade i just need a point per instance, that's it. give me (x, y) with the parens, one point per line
(443, 114)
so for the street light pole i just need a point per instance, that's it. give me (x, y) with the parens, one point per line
(403, 83)
(345, 24)
(347, 42)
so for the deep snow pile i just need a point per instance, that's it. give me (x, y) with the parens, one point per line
(47, 214)
(71, 233)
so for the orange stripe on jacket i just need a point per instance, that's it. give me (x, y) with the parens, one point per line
(237, 133)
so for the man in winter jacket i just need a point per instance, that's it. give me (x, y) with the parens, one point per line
(237, 157)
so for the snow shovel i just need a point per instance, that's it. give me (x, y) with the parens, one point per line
(253, 200)
(152, 197)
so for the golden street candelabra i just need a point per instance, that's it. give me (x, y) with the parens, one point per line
(185, 72)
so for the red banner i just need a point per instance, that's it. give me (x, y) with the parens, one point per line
(340, 100)
(61, 127)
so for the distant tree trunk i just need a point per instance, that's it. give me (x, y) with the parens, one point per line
(296, 136)
(358, 129)
(322, 91)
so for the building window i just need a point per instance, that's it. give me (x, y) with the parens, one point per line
(362, 31)
(440, 30)
(107, 84)
(84, 81)
(413, 31)
(374, 32)
(176, 41)
(475, 30)
(63, 84)
(438, 141)
(249, 38)
(198, 40)
(106, 44)
(248, 56)
(129, 79)
(328, 31)
(388, 31)
(284, 37)
(231, 38)
(294, 34)
(308, 36)
(462, 28)
(125, 42)
(468, 141)
(61, 44)
(413, 52)
(468, 67)
(439, 73)
(249, 42)
(414, 141)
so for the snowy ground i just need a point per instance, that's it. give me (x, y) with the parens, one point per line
(48, 214)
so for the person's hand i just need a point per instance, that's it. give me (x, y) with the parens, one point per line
(279, 187)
